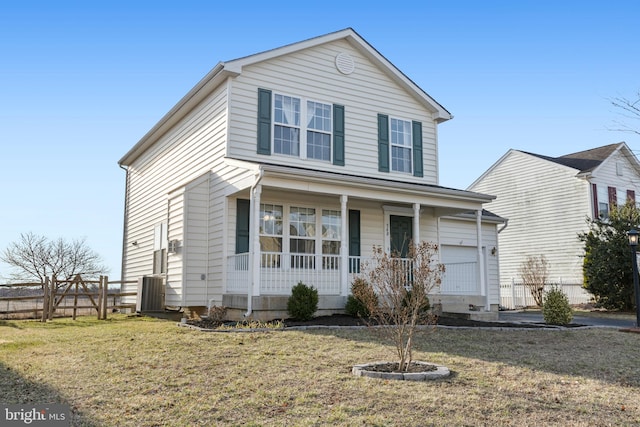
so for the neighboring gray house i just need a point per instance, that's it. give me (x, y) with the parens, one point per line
(548, 200)
(290, 165)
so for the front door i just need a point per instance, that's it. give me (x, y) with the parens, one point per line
(400, 234)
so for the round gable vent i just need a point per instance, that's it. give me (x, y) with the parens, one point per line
(344, 63)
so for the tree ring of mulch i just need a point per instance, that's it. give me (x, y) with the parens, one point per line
(418, 371)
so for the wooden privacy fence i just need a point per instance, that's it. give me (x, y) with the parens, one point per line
(54, 296)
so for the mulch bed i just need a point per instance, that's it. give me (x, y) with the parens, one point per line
(346, 320)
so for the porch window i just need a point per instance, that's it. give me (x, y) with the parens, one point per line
(331, 232)
(401, 145)
(271, 227)
(302, 231)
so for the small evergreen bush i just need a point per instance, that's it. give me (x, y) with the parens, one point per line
(555, 308)
(362, 297)
(303, 302)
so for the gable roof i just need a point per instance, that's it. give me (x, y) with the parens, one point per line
(233, 68)
(585, 162)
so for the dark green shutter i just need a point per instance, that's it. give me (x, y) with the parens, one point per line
(242, 226)
(354, 240)
(338, 135)
(264, 121)
(383, 143)
(417, 149)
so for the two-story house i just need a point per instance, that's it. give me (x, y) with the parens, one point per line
(290, 165)
(548, 201)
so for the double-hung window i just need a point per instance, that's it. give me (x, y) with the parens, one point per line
(331, 233)
(306, 138)
(302, 242)
(286, 131)
(271, 227)
(401, 145)
(318, 131)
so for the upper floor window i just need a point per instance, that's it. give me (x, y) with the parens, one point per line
(401, 145)
(286, 129)
(309, 138)
(318, 131)
(298, 127)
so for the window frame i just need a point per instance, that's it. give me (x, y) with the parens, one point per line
(407, 124)
(308, 260)
(303, 127)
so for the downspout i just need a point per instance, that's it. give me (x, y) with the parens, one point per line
(252, 254)
(124, 221)
(501, 229)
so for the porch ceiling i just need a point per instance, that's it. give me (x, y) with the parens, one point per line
(445, 201)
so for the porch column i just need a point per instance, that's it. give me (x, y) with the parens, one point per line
(255, 244)
(484, 291)
(344, 247)
(416, 224)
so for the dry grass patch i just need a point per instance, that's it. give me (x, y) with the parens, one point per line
(145, 372)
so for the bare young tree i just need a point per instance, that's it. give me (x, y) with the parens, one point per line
(401, 302)
(534, 272)
(36, 257)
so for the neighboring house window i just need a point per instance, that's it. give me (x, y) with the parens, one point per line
(160, 244)
(302, 229)
(331, 233)
(298, 127)
(271, 228)
(619, 169)
(401, 144)
(603, 210)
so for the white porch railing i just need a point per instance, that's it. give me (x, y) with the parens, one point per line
(279, 272)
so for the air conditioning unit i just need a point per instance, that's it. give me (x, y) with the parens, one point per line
(150, 294)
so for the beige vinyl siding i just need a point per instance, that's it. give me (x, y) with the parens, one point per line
(175, 227)
(182, 154)
(546, 205)
(196, 243)
(311, 74)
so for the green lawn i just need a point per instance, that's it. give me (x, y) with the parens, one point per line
(147, 372)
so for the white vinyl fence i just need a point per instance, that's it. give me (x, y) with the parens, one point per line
(515, 295)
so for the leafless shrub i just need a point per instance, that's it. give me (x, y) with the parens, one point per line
(402, 286)
(534, 273)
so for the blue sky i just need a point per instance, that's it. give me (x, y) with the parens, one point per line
(82, 82)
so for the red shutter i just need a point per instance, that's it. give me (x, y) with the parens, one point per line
(594, 193)
(613, 199)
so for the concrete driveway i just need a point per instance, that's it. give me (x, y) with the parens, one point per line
(589, 319)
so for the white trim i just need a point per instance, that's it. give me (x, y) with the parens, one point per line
(344, 247)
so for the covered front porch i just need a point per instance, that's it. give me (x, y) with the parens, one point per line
(299, 227)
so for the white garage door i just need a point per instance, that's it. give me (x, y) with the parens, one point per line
(461, 275)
